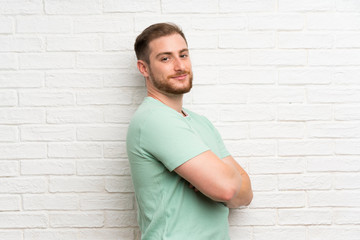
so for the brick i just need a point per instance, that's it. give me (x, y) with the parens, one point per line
(43, 24)
(9, 134)
(240, 232)
(188, 6)
(305, 40)
(347, 216)
(347, 181)
(9, 203)
(347, 147)
(224, 94)
(305, 182)
(76, 184)
(76, 220)
(333, 164)
(20, 44)
(234, 6)
(347, 112)
(265, 233)
(277, 130)
(11, 234)
(8, 61)
(21, 7)
(50, 202)
(122, 78)
(103, 24)
(278, 58)
(276, 22)
(223, 58)
(334, 95)
(334, 199)
(74, 115)
(247, 40)
(73, 80)
(74, 150)
(333, 130)
(333, 21)
(344, 57)
(277, 165)
(128, 6)
(73, 43)
(251, 148)
(144, 20)
(20, 79)
(72, 7)
(47, 133)
(249, 112)
(122, 184)
(276, 95)
(119, 114)
(219, 23)
(278, 200)
(118, 42)
(347, 77)
(101, 133)
(348, 5)
(347, 40)
(108, 234)
(245, 217)
(22, 151)
(102, 167)
(202, 40)
(47, 167)
(304, 112)
(305, 217)
(121, 219)
(306, 147)
(263, 183)
(107, 202)
(233, 132)
(103, 97)
(9, 168)
(241, 76)
(46, 60)
(115, 150)
(105, 60)
(7, 24)
(45, 98)
(23, 220)
(333, 233)
(44, 234)
(305, 76)
(305, 6)
(23, 185)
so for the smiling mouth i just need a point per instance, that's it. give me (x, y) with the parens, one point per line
(179, 77)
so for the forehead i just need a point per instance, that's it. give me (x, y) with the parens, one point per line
(172, 43)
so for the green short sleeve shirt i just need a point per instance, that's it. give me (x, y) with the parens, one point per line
(159, 140)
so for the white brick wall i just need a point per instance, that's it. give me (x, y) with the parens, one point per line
(280, 79)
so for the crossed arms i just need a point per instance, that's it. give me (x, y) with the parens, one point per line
(222, 180)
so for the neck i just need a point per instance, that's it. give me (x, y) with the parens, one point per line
(173, 101)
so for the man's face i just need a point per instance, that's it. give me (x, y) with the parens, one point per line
(170, 66)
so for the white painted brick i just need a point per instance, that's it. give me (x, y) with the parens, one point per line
(8, 134)
(202, 40)
(188, 6)
(276, 22)
(20, 44)
(126, 6)
(347, 181)
(347, 112)
(50, 202)
(223, 58)
(224, 94)
(21, 115)
(278, 58)
(276, 95)
(73, 43)
(241, 76)
(6, 24)
(118, 41)
(72, 7)
(107, 202)
(101, 133)
(333, 21)
(305, 40)
(73, 80)
(263, 183)
(246, 217)
(304, 217)
(21, 79)
(334, 95)
(246, 6)
(108, 234)
(8, 61)
(305, 76)
(23, 185)
(347, 77)
(251, 148)
(334, 199)
(105, 60)
(45, 98)
(102, 167)
(9, 168)
(306, 5)
(240, 232)
(21, 7)
(144, 20)
(333, 164)
(11, 234)
(44, 234)
(76, 184)
(347, 216)
(333, 130)
(306, 147)
(305, 182)
(47, 133)
(103, 24)
(121, 184)
(46, 60)
(348, 5)
(74, 150)
(218, 23)
(249, 112)
(266, 233)
(9, 203)
(347, 147)
(347, 40)
(23, 220)
(298, 112)
(47, 167)
(103, 97)
(233, 131)
(22, 151)
(118, 114)
(277, 130)
(73, 220)
(247, 40)
(115, 150)
(74, 115)
(43, 24)
(120, 219)
(288, 199)
(344, 57)
(333, 233)
(277, 165)
(123, 78)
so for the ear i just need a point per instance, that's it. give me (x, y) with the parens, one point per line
(143, 68)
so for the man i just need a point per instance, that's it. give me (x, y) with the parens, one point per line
(184, 178)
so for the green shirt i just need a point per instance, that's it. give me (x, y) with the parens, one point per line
(159, 140)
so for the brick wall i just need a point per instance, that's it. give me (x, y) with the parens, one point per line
(279, 78)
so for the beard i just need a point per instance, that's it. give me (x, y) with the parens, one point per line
(168, 85)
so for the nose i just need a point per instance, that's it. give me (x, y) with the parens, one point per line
(179, 64)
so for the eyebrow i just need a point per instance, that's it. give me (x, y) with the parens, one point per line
(169, 53)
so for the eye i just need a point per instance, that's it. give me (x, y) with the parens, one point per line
(184, 55)
(165, 59)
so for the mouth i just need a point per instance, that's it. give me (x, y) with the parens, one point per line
(179, 77)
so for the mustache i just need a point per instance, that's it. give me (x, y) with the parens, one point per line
(180, 74)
